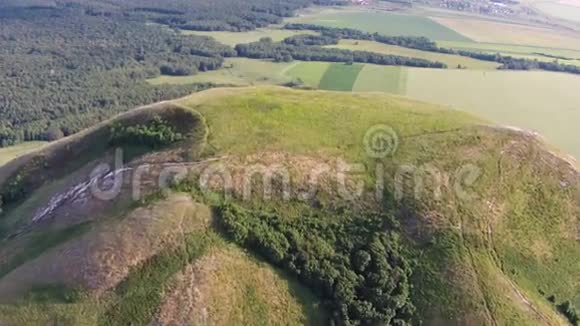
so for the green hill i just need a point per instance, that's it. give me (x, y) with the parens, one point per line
(290, 207)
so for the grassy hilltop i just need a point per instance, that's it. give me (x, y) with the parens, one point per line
(475, 224)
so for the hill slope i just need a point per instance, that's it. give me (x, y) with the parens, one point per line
(384, 208)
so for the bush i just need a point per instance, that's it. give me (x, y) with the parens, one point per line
(568, 310)
(156, 134)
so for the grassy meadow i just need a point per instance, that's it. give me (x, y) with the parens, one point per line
(9, 153)
(518, 98)
(546, 102)
(236, 72)
(489, 266)
(340, 77)
(380, 22)
(233, 38)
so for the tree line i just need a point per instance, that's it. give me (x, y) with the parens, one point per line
(307, 48)
(424, 44)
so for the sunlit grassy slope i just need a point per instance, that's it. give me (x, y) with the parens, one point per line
(480, 265)
(9, 153)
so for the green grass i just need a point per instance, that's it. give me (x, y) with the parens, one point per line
(466, 270)
(236, 72)
(519, 51)
(540, 101)
(233, 38)
(9, 153)
(380, 22)
(311, 123)
(139, 296)
(452, 61)
(340, 77)
(383, 79)
(546, 102)
(374, 78)
(309, 72)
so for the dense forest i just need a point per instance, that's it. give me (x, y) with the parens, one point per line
(307, 48)
(66, 65)
(333, 34)
(353, 262)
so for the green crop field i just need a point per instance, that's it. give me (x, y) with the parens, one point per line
(375, 78)
(542, 101)
(244, 72)
(237, 72)
(309, 72)
(452, 61)
(521, 51)
(233, 38)
(517, 98)
(340, 77)
(380, 22)
(9, 153)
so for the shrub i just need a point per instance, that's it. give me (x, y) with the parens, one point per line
(156, 134)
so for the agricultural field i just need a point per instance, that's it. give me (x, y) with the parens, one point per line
(380, 22)
(545, 102)
(452, 61)
(521, 51)
(236, 72)
(244, 72)
(9, 153)
(233, 38)
(564, 9)
(381, 79)
(488, 31)
(340, 77)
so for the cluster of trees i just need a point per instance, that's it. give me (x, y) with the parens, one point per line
(156, 134)
(354, 263)
(413, 42)
(424, 44)
(297, 48)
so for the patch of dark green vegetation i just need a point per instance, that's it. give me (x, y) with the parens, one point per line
(53, 293)
(139, 296)
(42, 242)
(353, 261)
(340, 77)
(566, 308)
(156, 134)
